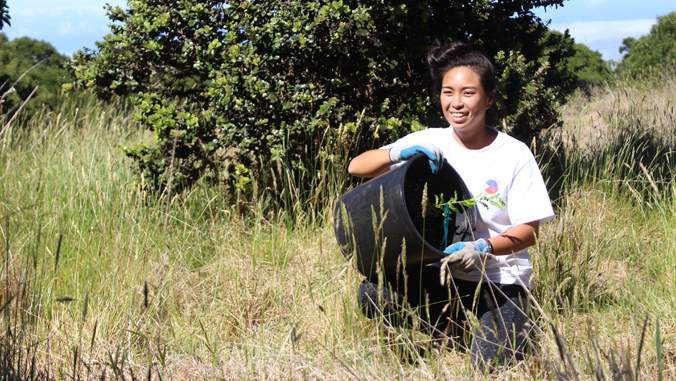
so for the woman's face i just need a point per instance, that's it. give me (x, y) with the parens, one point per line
(464, 100)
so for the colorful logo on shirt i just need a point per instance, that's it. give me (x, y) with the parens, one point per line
(491, 187)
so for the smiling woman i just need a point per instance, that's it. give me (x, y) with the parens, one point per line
(495, 263)
(68, 25)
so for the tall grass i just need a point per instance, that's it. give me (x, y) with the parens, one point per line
(102, 279)
(607, 261)
(99, 279)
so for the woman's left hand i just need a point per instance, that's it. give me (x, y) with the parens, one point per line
(468, 255)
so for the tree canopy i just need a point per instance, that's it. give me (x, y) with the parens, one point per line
(587, 65)
(261, 80)
(18, 56)
(658, 48)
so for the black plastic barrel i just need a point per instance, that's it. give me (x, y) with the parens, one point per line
(376, 221)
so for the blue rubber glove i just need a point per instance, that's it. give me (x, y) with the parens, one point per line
(469, 255)
(401, 153)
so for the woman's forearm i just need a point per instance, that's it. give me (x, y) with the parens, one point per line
(516, 238)
(370, 163)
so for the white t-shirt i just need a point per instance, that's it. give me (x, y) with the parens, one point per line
(505, 167)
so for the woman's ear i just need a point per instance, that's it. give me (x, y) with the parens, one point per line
(490, 99)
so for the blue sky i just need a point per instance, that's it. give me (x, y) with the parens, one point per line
(600, 24)
(67, 24)
(603, 24)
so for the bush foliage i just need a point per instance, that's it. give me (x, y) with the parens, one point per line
(245, 82)
(4, 14)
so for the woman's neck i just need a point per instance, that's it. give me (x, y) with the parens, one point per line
(476, 139)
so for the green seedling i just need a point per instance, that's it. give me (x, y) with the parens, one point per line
(481, 199)
(452, 205)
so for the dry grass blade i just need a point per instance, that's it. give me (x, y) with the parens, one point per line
(658, 350)
(637, 374)
(170, 182)
(650, 180)
(58, 253)
(9, 300)
(85, 308)
(6, 126)
(12, 88)
(2, 87)
(145, 294)
(91, 342)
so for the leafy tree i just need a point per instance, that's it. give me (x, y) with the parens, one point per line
(18, 56)
(656, 49)
(4, 14)
(587, 65)
(266, 80)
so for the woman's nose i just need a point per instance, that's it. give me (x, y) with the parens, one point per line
(456, 102)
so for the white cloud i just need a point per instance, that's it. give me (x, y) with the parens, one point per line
(28, 12)
(590, 31)
(66, 28)
(98, 10)
(84, 26)
(21, 31)
(57, 11)
(606, 36)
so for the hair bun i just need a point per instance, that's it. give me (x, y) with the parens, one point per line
(439, 54)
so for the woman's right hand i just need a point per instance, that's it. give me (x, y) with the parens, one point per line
(433, 153)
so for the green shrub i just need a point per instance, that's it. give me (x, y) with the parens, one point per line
(255, 83)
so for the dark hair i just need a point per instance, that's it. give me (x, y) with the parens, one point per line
(442, 58)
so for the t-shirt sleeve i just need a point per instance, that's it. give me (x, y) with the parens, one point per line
(528, 198)
(408, 140)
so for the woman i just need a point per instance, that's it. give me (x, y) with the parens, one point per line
(489, 162)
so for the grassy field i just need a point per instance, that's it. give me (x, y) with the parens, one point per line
(101, 280)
